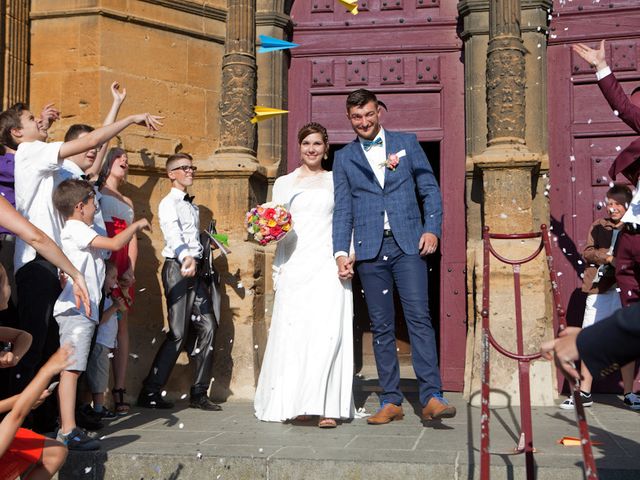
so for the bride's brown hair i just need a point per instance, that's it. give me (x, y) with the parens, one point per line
(310, 128)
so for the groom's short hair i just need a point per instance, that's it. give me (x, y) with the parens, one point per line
(360, 98)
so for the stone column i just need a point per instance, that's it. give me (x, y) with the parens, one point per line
(237, 181)
(239, 85)
(503, 173)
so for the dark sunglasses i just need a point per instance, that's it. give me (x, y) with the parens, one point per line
(185, 168)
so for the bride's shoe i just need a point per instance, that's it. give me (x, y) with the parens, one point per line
(327, 423)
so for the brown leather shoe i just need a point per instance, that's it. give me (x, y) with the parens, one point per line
(436, 408)
(386, 414)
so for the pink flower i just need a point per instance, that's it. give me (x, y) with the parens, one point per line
(392, 161)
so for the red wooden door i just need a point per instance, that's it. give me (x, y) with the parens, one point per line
(408, 53)
(584, 134)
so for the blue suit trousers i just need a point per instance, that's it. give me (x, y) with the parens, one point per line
(391, 269)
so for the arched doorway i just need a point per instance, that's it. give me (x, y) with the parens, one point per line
(407, 52)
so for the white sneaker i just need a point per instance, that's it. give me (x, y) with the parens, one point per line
(632, 401)
(587, 401)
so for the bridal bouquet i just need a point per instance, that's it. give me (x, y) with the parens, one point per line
(268, 222)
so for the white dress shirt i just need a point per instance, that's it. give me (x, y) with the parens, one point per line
(36, 165)
(180, 225)
(377, 156)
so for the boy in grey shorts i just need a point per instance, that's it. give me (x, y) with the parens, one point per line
(75, 200)
(98, 366)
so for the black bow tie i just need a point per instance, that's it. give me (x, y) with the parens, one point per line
(85, 177)
(188, 198)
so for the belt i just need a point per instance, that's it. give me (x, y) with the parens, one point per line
(386, 233)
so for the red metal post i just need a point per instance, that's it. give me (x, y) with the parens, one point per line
(526, 439)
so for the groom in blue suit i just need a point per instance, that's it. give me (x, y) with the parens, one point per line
(379, 178)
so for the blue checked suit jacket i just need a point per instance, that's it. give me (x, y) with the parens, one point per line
(360, 201)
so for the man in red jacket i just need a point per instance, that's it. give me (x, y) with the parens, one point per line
(627, 163)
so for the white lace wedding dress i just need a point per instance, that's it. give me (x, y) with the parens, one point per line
(308, 363)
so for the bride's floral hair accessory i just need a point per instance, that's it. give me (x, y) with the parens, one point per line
(268, 222)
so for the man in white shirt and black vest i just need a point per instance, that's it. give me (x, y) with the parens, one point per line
(180, 224)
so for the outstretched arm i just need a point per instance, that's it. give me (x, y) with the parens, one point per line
(30, 395)
(106, 133)
(609, 85)
(12, 220)
(118, 100)
(120, 240)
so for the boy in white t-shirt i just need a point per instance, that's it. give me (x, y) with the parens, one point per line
(37, 165)
(75, 200)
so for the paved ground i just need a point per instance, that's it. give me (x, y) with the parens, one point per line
(232, 444)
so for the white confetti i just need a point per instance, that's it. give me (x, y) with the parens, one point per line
(589, 121)
(385, 258)
(255, 347)
(559, 274)
(110, 355)
(17, 375)
(163, 393)
(572, 158)
(183, 396)
(181, 425)
(385, 291)
(616, 113)
(153, 341)
(133, 355)
(239, 285)
(618, 148)
(199, 455)
(196, 351)
(142, 290)
(87, 469)
(260, 450)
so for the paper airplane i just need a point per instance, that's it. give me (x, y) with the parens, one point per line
(352, 5)
(270, 44)
(574, 442)
(265, 113)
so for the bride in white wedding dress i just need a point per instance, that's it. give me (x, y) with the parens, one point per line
(308, 363)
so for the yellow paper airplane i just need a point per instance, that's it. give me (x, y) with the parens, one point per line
(265, 113)
(352, 5)
(574, 442)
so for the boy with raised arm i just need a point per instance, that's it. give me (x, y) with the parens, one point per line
(75, 200)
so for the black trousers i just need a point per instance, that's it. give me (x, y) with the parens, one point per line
(38, 286)
(192, 325)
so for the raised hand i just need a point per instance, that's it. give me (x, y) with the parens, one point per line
(152, 122)
(595, 58)
(118, 96)
(48, 115)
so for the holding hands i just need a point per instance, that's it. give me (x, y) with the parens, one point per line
(595, 58)
(345, 266)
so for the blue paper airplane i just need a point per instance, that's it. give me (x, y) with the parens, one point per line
(270, 44)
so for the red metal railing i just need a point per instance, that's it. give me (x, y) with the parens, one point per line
(525, 443)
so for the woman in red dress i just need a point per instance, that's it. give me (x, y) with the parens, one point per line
(117, 211)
